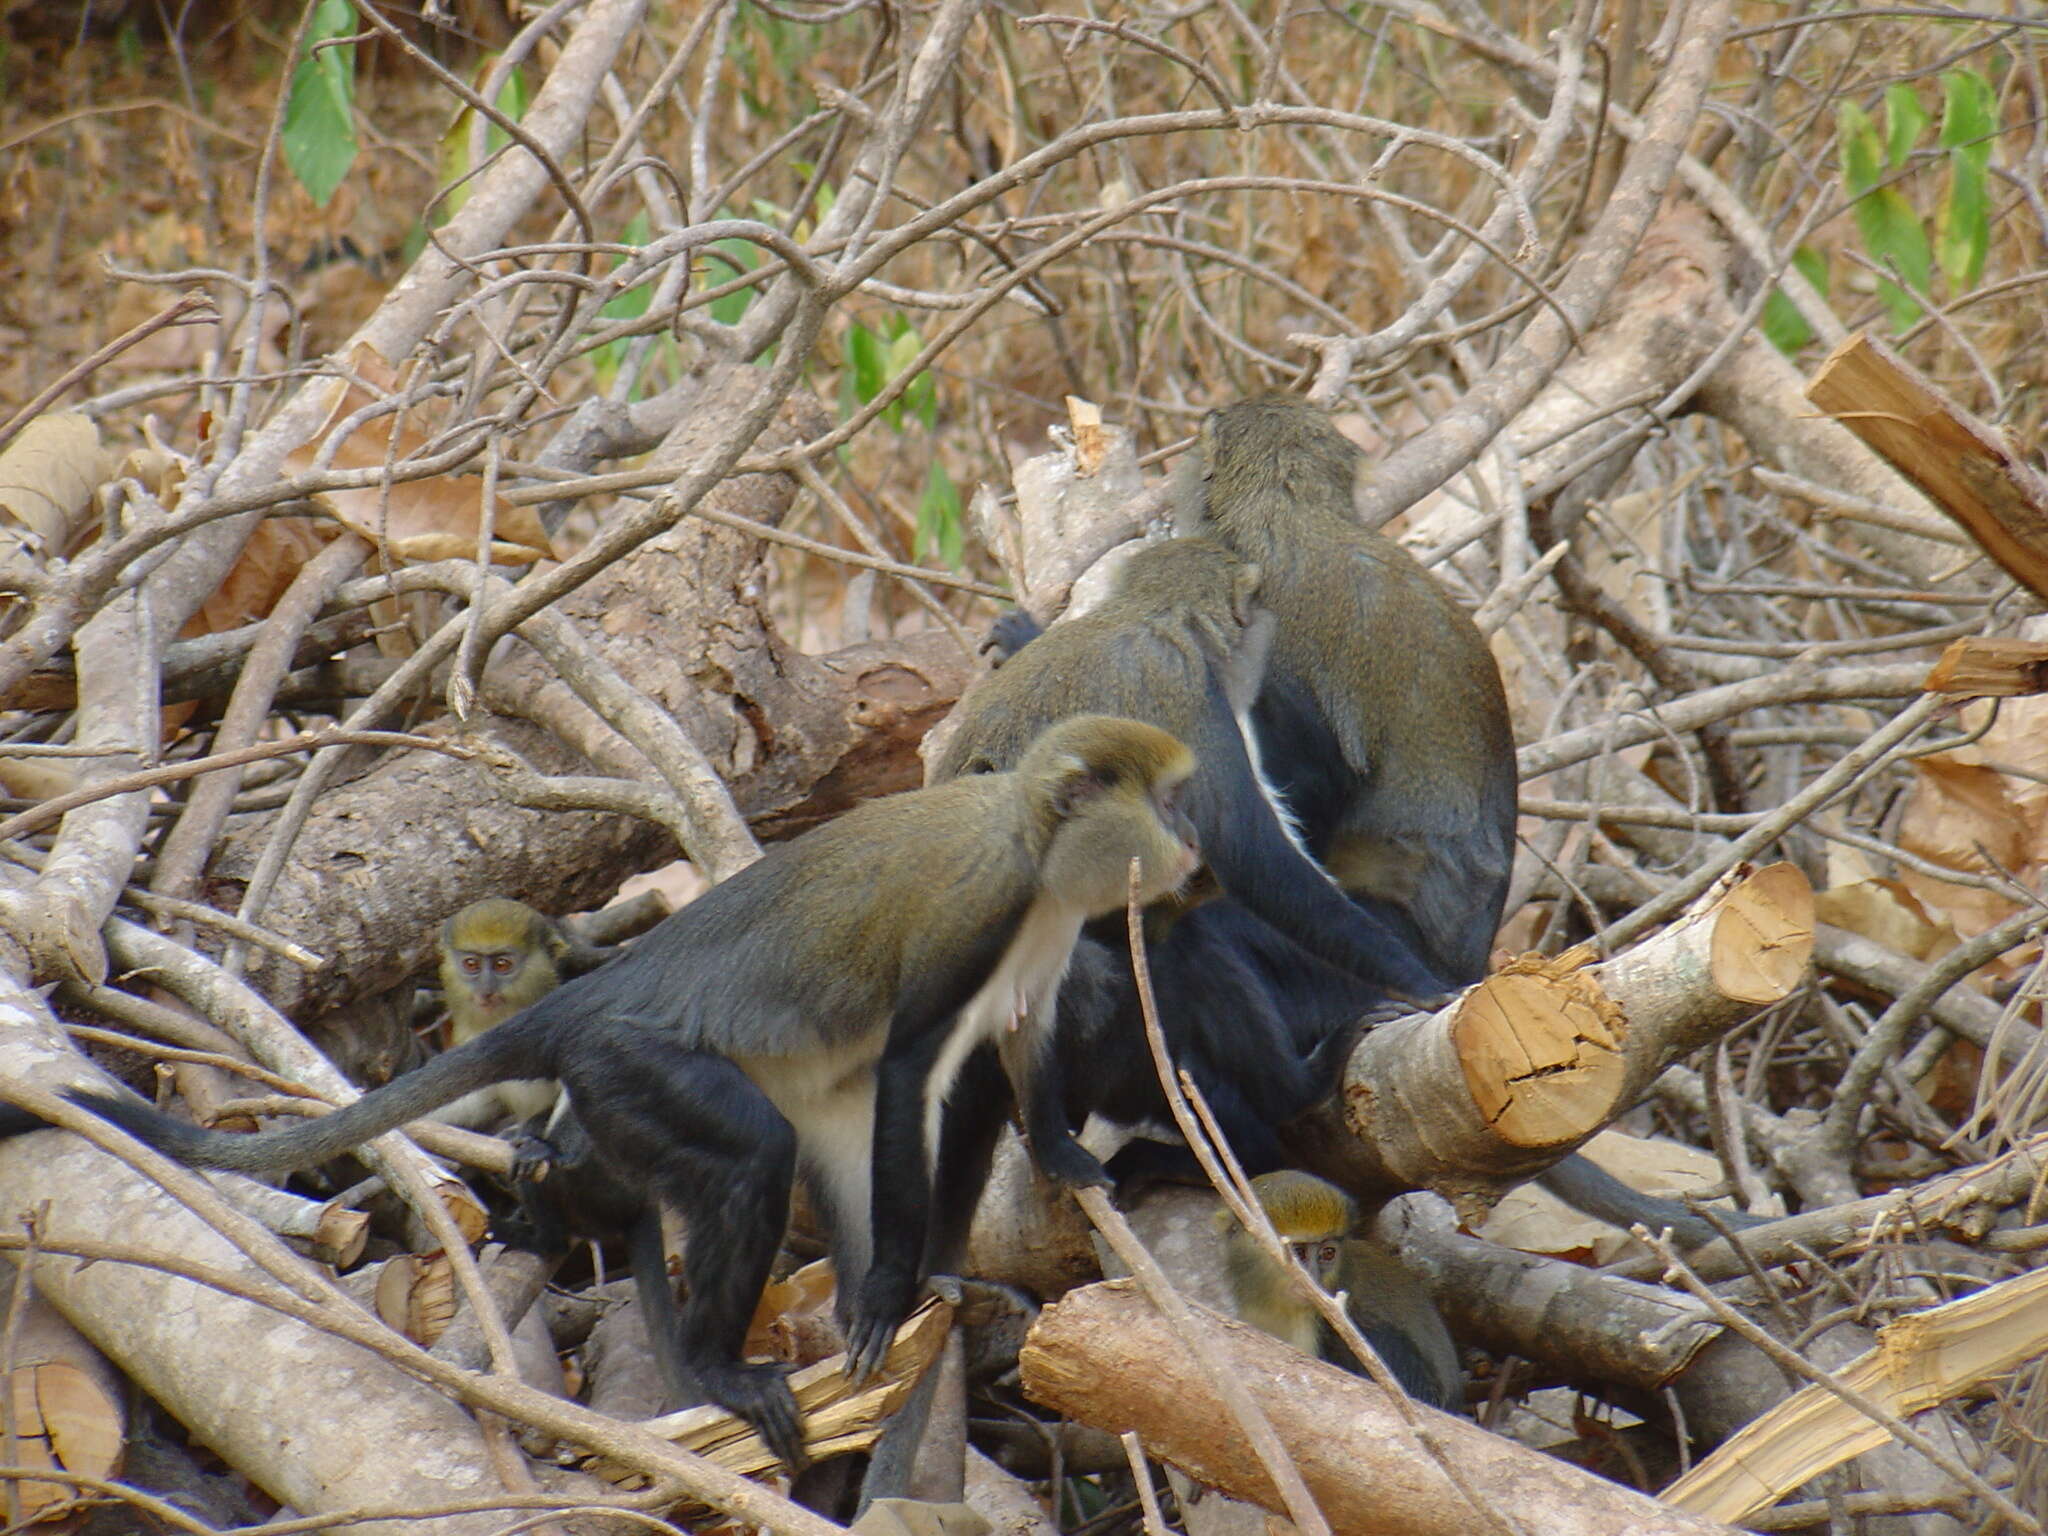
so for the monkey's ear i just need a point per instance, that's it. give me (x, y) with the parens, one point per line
(1074, 783)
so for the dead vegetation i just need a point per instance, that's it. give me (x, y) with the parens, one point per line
(622, 464)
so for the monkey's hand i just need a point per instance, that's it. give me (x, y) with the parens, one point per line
(1069, 1164)
(533, 1157)
(1010, 633)
(884, 1300)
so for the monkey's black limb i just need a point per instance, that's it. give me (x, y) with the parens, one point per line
(710, 1145)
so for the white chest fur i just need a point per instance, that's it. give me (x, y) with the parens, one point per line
(1018, 994)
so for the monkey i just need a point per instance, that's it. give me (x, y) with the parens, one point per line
(1181, 641)
(1392, 1311)
(811, 1013)
(497, 956)
(1382, 720)
(1261, 1026)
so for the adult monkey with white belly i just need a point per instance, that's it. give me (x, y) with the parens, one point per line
(815, 1009)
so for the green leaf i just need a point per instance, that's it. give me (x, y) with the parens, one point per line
(1962, 224)
(319, 114)
(1904, 118)
(724, 261)
(938, 518)
(630, 305)
(1813, 266)
(512, 101)
(1969, 113)
(1962, 220)
(1861, 154)
(1783, 326)
(1891, 230)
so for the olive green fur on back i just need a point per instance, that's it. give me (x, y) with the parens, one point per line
(1277, 490)
(1180, 609)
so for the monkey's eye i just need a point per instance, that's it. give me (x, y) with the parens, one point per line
(472, 963)
(501, 964)
(1327, 1254)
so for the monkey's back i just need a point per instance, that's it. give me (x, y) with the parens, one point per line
(797, 953)
(1106, 662)
(1383, 716)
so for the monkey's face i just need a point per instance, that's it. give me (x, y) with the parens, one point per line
(1319, 1258)
(489, 976)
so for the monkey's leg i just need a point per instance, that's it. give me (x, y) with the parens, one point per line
(649, 1262)
(928, 1434)
(708, 1142)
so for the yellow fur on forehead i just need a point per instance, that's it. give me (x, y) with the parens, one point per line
(1303, 1207)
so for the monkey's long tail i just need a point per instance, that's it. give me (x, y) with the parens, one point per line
(513, 1050)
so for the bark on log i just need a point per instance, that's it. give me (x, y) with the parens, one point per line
(303, 1414)
(1531, 1062)
(1104, 1356)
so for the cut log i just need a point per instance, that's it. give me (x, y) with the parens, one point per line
(1969, 470)
(1534, 1060)
(1104, 1356)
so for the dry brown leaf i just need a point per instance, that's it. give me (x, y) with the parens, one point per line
(794, 1321)
(1958, 815)
(1886, 911)
(268, 562)
(47, 477)
(446, 505)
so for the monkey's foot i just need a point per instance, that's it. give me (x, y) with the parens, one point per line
(884, 1301)
(759, 1394)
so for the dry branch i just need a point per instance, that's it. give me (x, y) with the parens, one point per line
(1966, 468)
(1102, 1355)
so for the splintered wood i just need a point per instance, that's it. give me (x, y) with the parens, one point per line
(1921, 1360)
(1991, 669)
(1965, 468)
(837, 1419)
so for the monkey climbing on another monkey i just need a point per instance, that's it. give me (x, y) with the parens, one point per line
(1382, 721)
(814, 1009)
(1388, 1305)
(1181, 641)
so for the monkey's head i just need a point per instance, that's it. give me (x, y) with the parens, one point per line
(1102, 791)
(1265, 457)
(1312, 1216)
(497, 956)
(1191, 575)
